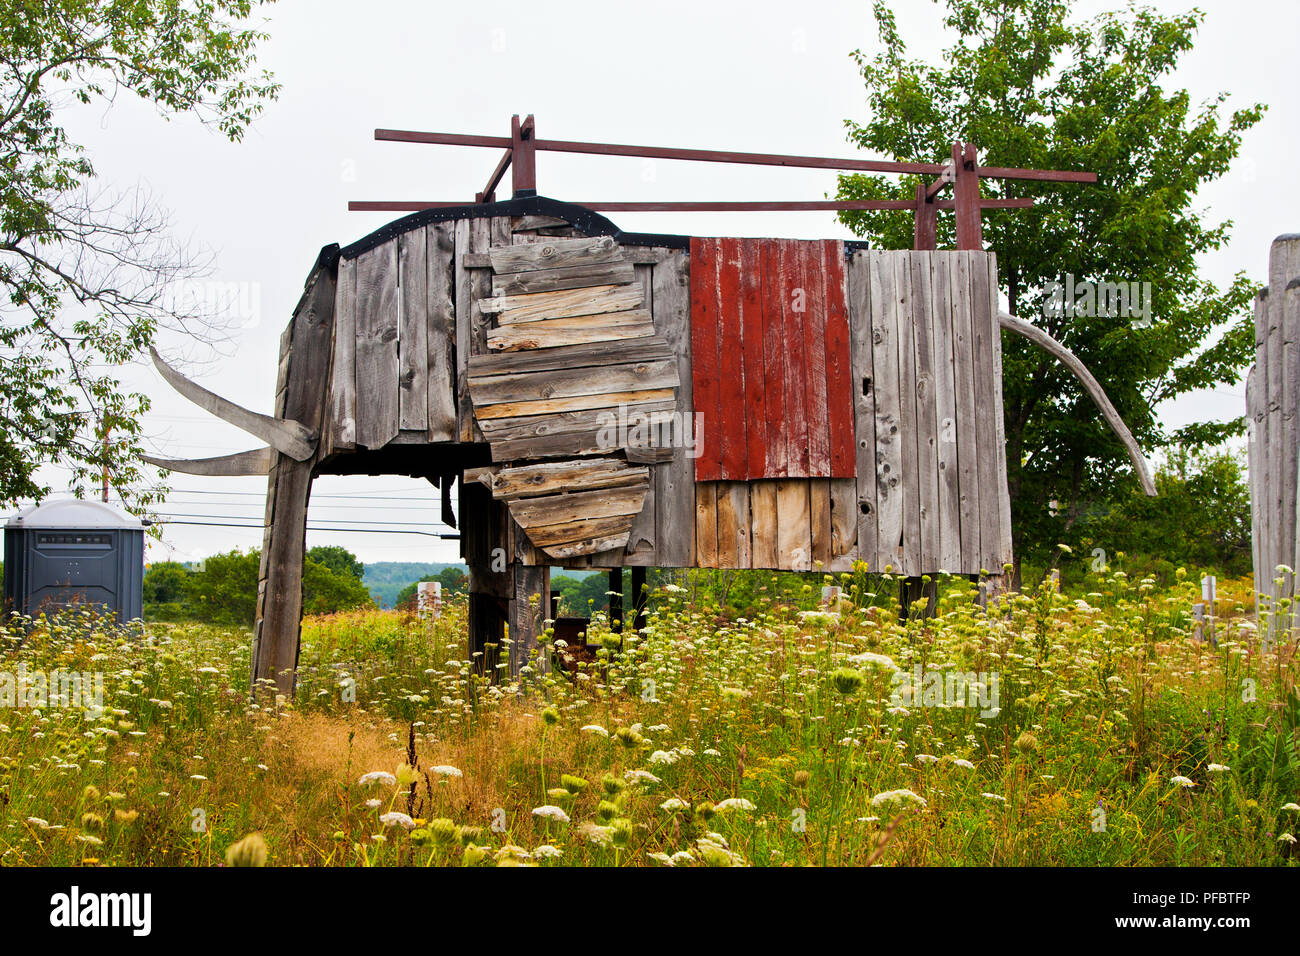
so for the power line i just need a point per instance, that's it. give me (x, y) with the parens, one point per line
(226, 524)
(401, 524)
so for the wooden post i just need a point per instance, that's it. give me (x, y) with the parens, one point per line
(1209, 595)
(523, 145)
(926, 226)
(966, 195)
(528, 613)
(639, 597)
(616, 600)
(305, 357)
(484, 545)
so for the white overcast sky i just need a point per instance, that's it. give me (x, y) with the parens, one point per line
(764, 75)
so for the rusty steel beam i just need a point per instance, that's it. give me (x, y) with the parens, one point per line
(489, 191)
(728, 156)
(866, 205)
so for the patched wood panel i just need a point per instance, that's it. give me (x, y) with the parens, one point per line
(579, 373)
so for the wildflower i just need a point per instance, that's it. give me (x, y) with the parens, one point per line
(611, 785)
(595, 729)
(377, 776)
(1181, 781)
(602, 836)
(661, 858)
(474, 854)
(897, 796)
(964, 764)
(547, 852)
(926, 758)
(878, 660)
(396, 819)
(443, 770)
(1026, 742)
(126, 817)
(551, 813)
(663, 757)
(44, 824)
(801, 778)
(846, 680)
(372, 804)
(92, 840)
(1286, 838)
(1293, 807)
(551, 716)
(998, 798)
(674, 804)
(407, 775)
(733, 803)
(1218, 768)
(250, 851)
(640, 777)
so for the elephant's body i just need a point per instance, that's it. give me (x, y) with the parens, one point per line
(610, 400)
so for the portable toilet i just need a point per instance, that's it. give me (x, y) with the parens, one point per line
(74, 551)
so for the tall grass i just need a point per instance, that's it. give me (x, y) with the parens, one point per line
(775, 738)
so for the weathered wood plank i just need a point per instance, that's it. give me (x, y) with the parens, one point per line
(413, 332)
(813, 268)
(763, 524)
(556, 280)
(927, 439)
(554, 254)
(706, 524)
(539, 306)
(753, 421)
(656, 414)
(822, 526)
(773, 360)
(999, 421)
(844, 519)
(440, 317)
(705, 323)
(909, 429)
(731, 366)
(555, 509)
(794, 310)
(733, 525)
(675, 480)
(564, 383)
(652, 349)
(839, 363)
(575, 331)
(573, 403)
(889, 439)
(555, 477)
(793, 524)
(862, 332)
(377, 333)
(969, 493)
(343, 391)
(983, 328)
(945, 394)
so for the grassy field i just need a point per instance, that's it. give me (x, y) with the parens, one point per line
(1087, 729)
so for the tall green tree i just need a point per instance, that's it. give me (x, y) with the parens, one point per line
(1033, 87)
(87, 276)
(338, 559)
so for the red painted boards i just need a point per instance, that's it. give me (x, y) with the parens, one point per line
(770, 359)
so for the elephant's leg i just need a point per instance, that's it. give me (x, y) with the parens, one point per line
(279, 585)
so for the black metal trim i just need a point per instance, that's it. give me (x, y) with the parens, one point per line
(580, 217)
